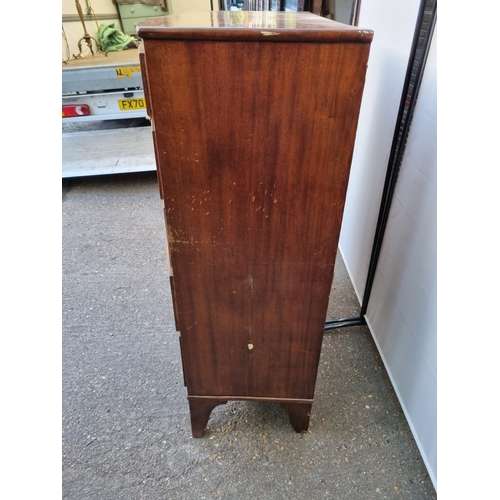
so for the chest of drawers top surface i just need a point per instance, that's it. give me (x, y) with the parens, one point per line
(252, 25)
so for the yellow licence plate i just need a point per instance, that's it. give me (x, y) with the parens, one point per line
(132, 104)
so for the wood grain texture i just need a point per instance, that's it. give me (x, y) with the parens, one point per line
(254, 144)
(200, 413)
(147, 96)
(299, 415)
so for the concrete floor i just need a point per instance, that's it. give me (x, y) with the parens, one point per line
(126, 431)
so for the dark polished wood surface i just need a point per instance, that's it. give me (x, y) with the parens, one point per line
(254, 144)
(252, 26)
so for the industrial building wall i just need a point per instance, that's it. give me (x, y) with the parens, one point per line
(402, 310)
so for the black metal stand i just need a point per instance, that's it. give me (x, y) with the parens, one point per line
(422, 37)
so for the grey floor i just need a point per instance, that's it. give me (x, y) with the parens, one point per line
(126, 432)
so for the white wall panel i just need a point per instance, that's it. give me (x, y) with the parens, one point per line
(402, 310)
(393, 23)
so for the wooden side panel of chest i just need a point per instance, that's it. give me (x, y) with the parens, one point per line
(253, 144)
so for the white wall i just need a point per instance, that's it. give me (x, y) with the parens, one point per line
(402, 309)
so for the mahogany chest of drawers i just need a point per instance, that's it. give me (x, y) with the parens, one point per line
(254, 117)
